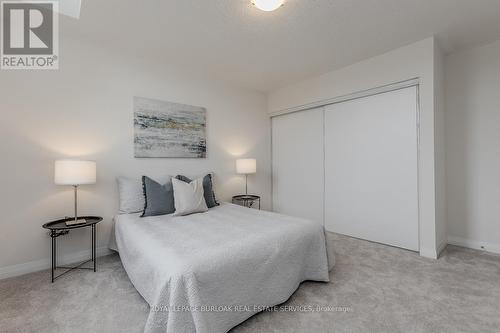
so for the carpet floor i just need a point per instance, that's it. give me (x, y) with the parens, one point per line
(373, 288)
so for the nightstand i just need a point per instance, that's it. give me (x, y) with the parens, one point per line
(59, 228)
(246, 200)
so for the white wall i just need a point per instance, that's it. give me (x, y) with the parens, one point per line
(413, 61)
(84, 110)
(440, 148)
(473, 147)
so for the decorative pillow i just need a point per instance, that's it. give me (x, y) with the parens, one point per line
(188, 197)
(131, 195)
(159, 199)
(208, 189)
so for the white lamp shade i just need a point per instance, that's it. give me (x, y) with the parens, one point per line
(246, 166)
(72, 172)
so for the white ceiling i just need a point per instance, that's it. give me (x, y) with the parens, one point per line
(233, 41)
(69, 8)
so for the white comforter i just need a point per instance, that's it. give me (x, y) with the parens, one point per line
(209, 272)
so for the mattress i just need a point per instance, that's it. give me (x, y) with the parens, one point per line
(209, 272)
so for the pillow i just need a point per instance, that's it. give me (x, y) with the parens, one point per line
(188, 197)
(131, 195)
(159, 199)
(208, 189)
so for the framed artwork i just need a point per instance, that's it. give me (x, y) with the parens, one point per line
(166, 129)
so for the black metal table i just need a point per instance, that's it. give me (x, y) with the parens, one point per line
(59, 228)
(246, 200)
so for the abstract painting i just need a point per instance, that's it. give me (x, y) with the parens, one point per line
(166, 129)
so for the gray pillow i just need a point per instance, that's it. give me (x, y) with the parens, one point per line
(208, 189)
(159, 199)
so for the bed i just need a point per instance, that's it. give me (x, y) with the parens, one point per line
(209, 272)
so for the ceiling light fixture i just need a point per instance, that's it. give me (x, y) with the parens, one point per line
(268, 5)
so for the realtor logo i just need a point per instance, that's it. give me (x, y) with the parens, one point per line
(29, 35)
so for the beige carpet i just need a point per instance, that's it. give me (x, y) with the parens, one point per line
(374, 288)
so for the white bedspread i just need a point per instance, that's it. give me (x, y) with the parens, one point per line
(209, 272)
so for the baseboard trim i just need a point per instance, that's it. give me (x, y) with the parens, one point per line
(428, 253)
(474, 244)
(441, 247)
(42, 264)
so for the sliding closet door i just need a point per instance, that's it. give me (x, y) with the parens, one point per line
(371, 168)
(298, 163)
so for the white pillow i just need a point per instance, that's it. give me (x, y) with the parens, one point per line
(188, 197)
(131, 195)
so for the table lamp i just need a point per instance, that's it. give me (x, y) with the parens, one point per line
(245, 167)
(75, 173)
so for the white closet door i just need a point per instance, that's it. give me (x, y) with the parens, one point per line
(298, 164)
(371, 168)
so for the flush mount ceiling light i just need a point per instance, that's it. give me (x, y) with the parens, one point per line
(268, 5)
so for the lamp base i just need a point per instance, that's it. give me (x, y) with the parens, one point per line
(76, 222)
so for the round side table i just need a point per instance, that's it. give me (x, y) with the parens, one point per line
(246, 200)
(59, 228)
